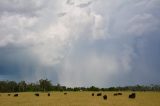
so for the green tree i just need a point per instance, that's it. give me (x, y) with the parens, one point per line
(45, 85)
(3, 86)
(22, 86)
(93, 88)
(12, 86)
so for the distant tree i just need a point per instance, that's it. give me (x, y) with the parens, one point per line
(112, 89)
(69, 89)
(22, 86)
(3, 86)
(45, 85)
(12, 86)
(33, 87)
(30, 87)
(76, 89)
(93, 88)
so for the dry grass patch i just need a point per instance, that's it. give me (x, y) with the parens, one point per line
(80, 99)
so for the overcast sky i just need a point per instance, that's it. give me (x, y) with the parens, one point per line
(80, 42)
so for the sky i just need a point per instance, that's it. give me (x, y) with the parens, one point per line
(80, 42)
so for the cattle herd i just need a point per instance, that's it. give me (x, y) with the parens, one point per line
(131, 96)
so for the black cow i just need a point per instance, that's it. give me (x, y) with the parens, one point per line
(65, 93)
(119, 93)
(36, 94)
(105, 97)
(99, 94)
(92, 94)
(49, 94)
(9, 94)
(15, 95)
(132, 96)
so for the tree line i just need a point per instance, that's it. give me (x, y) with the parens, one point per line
(45, 85)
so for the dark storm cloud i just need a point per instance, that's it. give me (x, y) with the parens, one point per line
(147, 63)
(17, 63)
(106, 43)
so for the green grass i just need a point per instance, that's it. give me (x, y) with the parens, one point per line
(80, 99)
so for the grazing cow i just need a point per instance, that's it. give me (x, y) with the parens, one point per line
(92, 94)
(48, 94)
(36, 94)
(132, 96)
(105, 97)
(65, 93)
(9, 94)
(119, 93)
(116, 94)
(99, 94)
(15, 95)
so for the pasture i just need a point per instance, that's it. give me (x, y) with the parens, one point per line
(80, 99)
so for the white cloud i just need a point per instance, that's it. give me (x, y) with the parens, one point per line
(59, 32)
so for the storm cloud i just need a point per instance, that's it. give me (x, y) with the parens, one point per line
(80, 43)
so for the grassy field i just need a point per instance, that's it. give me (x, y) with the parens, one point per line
(80, 99)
